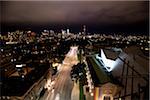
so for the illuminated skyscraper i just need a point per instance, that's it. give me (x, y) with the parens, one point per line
(68, 31)
(84, 29)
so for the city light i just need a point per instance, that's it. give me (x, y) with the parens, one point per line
(18, 66)
(57, 97)
(74, 50)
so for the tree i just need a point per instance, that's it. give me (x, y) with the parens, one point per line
(78, 73)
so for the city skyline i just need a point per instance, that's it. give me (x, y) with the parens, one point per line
(119, 16)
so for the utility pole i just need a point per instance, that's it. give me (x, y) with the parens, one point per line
(132, 84)
(126, 80)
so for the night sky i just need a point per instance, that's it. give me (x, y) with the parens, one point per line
(102, 16)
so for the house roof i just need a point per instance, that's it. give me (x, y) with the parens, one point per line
(98, 73)
(111, 54)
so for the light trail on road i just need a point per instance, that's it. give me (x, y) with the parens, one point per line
(63, 83)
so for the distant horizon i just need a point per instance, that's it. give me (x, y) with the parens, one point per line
(77, 28)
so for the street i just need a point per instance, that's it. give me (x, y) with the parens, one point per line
(63, 84)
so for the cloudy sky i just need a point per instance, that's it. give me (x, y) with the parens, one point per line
(92, 13)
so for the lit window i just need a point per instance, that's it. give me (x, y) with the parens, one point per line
(2, 50)
(12, 60)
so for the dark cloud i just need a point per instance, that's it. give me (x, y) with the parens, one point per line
(75, 12)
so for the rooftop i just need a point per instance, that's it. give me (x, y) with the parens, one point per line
(111, 54)
(17, 86)
(98, 73)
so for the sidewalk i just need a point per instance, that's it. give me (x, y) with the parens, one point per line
(75, 92)
(88, 96)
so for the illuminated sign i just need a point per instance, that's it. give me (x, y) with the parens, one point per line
(18, 65)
